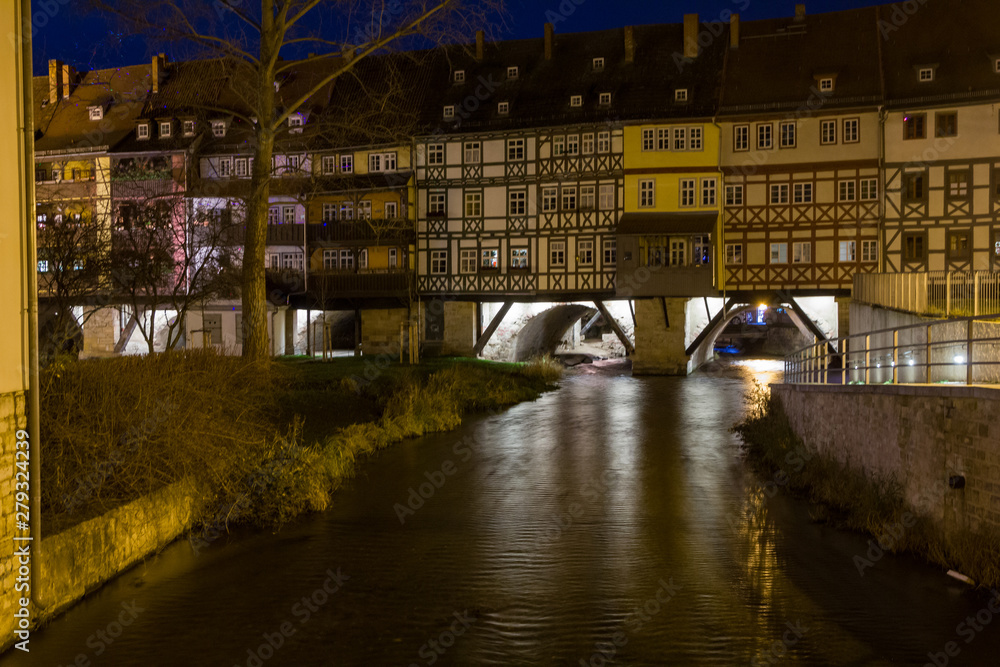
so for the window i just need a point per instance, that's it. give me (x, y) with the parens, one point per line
(585, 253)
(188, 128)
(914, 247)
(678, 252)
(681, 95)
(869, 189)
(607, 194)
(390, 210)
(346, 259)
(702, 251)
(734, 253)
(576, 100)
(779, 253)
(787, 135)
(925, 74)
(517, 202)
(435, 154)
(558, 146)
(365, 210)
(142, 131)
(826, 84)
(439, 262)
(473, 204)
(648, 139)
(225, 167)
(802, 252)
(292, 163)
(687, 191)
(363, 258)
(802, 193)
(779, 193)
(588, 143)
(288, 215)
(459, 76)
(218, 128)
(598, 64)
(165, 128)
(852, 131)
(393, 258)
(741, 138)
(610, 252)
(273, 215)
(734, 195)
(869, 251)
(489, 259)
(708, 188)
(503, 108)
(241, 167)
(847, 191)
(946, 124)
(515, 150)
(587, 197)
(43, 266)
(449, 111)
(848, 251)
(346, 211)
(958, 185)
(680, 138)
(604, 99)
(518, 258)
(381, 162)
(328, 164)
(828, 132)
(467, 261)
(557, 253)
(96, 113)
(436, 204)
(291, 260)
(569, 199)
(512, 73)
(914, 126)
(295, 120)
(913, 187)
(329, 212)
(647, 193)
(473, 152)
(346, 164)
(573, 144)
(764, 138)
(959, 245)
(550, 200)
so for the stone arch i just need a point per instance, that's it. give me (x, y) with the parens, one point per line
(541, 334)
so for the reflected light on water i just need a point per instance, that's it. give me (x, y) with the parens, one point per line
(764, 371)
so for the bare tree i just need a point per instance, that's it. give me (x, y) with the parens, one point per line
(255, 35)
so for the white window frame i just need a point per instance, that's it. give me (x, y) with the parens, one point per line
(678, 140)
(604, 99)
(802, 252)
(847, 190)
(519, 257)
(472, 152)
(779, 194)
(142, 131)
(598, 64)
(603, 142)
(288, 215)
(329, 164)
(869, 189)
(459, 76)
(802, 193)
(189, 127)
(503, 108)
(166, 128)
(468, 260)
(869, 250)
(330, 211)
(647, 193)
(826, 84)
(381, 162)
(567, 198)
(588, 196)
(435, 155)
(734, 194)
(765, 136)
(390, 210)
(219, 128)
(741, 138)
(734, 253)
(557, 254)
(448, 112)
(573, 145)
(96, 112)
(513, 72)
(925, 74)
(709, 192)
(576, 100)
(779, 253)
(587, 143)
(240, 167)
(517, 202)
(686, 190)
(681, 95)
(610, 248)
(515, 150)
(851, 131)
(695, 136)
(473, 204)
(648, 137)
(550, 200)
(787, 134)
(606, 197)
(827, 132)
(225, 167)
(437, 203)
(438, 262)
(585, 252)
(847, 251)
(489, 259)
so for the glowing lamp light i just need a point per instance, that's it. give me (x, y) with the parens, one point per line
(911, 362)
(959, 359)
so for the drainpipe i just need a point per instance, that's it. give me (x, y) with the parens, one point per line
(28, 146)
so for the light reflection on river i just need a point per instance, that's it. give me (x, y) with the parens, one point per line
(612, 521)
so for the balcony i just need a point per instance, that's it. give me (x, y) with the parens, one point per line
(347, 284)
(362, 232)
(290, 234)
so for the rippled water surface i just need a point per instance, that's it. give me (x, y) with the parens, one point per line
(609, 522)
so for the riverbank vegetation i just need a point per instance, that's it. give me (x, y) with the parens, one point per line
(264, 442)
(850, 498)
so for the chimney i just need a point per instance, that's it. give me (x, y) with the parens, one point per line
(691, 36)
(159, 72)
(68, 79)
(548, 41)
(629, 44)
(55, 81)
(480, 44)
(800, 12)
(734, 31)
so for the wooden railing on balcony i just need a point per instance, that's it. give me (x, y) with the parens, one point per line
(333, 284)
(290, 234)
(374, 231)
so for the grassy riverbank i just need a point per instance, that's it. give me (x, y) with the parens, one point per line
(850, 498)
(265, 443)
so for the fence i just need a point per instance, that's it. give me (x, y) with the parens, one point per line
(963, 350)
(947, 293)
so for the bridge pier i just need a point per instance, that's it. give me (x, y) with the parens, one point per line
(660, 336)
(100, 333)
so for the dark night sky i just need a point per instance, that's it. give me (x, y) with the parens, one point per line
(89, 41)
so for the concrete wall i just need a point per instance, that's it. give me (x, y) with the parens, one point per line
(921, 434)
(659, 349)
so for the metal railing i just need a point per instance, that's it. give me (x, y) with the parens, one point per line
(947, 293)
(963, 350)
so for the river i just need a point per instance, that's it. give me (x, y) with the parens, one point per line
(610, 522)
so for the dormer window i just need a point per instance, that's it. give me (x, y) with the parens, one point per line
(449, 111)
(681, 95)
(96, 113)
(189, 128)
(512, 73)
(925, 74)
(295, 120)
(459, 76)
(576, 101)
(142, 131)
(218, 128)
(605, 99)
(165, 129)
(826, 84)
(503, 108)
(598, 64)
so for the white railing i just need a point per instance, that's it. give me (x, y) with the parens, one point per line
(963, 350)
(941, 293)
